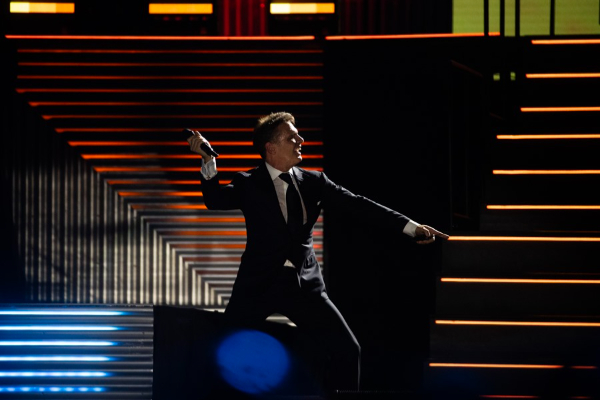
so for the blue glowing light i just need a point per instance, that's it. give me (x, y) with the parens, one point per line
(252, 361)
(55, 358)
(56, 328)
(44, 374)
(97, 313)
(55, 343)
(54, 389)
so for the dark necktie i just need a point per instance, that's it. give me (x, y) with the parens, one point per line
(293, 203)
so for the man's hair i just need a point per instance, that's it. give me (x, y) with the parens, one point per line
(265, 130)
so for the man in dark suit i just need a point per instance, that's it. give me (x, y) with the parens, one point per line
(279, 272)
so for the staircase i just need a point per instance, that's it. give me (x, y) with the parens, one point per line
(517, 309)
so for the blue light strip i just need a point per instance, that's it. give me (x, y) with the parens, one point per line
(54, 343)
(35, 374)
(56, 328)
(21, 389)
(54, 358)
(97, 313)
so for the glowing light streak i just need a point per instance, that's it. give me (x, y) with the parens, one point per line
(473, 365)
(519, 323)
(524, 238)
(553, 136)
(519, 280)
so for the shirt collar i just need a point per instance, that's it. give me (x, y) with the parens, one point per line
(274, 172)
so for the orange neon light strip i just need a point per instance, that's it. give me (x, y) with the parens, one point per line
(519, 323)
(564, 75)
(524, 239)
(177, 156)
(164, 51)
(410, 36)
(57, 90)
(141, 116)
(552, 136)
(565, 41)
(22, 7)
(117, 64)
(177, 169)
(540, 207)
(206, 233)
(186, 8)
(558, 109)
(178, 38)
(468, 365)
(155, 182)
(508, 280)
(174, 103)
(168, 207)
(507, 396)
(172, 77)
(158, 143)
(546, 172)
(302, 8)
(179, 130)
(198, 219)
(206, 246)
(163, 193)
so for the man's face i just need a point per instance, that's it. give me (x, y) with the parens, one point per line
(287, 147)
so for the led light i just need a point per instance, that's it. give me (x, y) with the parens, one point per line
(472, 365)
(97, 313)
(54, 343)
(519, 323)
(302, 8)
(54, 358)
(32, 374)
(21, 7)
(184, 8)
(56, 328)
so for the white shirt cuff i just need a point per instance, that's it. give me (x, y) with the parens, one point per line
(410, 228)
(209, 169)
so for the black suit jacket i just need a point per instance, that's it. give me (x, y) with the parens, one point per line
(269, 241)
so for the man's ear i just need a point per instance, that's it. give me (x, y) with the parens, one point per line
(270, 148)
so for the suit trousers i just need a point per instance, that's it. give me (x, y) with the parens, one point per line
(317, 318)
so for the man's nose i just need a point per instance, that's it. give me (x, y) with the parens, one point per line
(301, 139)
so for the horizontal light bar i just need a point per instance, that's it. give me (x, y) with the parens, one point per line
(37, 374)
(53, 389)
(178, 156)
(183, 143)
(32, 312)
(524, 239)
(540, 207)
(21, 7)
(519, 280)
(55, 343)
(302, 8)
(565, 41)
(519, 323)
(177, 38)
(55, 358)
(472, 365)
(546, 171)
(176, 169)
(559, 109)
(507, 396)
(564, 75)
(56, 328)
(174, 103)
(181, 8)
(176, 77)
(552, 136)
(161, 193)
(410, 36)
